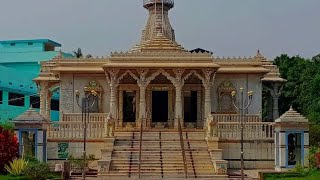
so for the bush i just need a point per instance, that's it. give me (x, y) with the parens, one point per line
(8, 147)
(315, 135)
(16, 167)
(314, 157)
(79, 163)
(37, 170)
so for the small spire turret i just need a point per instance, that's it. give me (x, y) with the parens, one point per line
(158, 20)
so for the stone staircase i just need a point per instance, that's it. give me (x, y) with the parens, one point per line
(161, 155)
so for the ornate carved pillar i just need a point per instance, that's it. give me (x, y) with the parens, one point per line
(113, 89)
(178, 84)
(207, 100)
(142, 105)
(178, 105)
(199, 119)
(209, 76)
(275, 92)
(48, 105)
(171, 112)
(113, 83)
(142, 83)
(149, 108)
(43, 98)
(120, 124)
(275, 96)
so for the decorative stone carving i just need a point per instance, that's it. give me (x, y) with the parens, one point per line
(95, 86)
(224, 97)
(212, 127)
(109, 126)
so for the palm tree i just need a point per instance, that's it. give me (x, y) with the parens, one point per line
(77, 53)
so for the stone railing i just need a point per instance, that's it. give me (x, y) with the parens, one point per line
(236, 118)
(251, 131)
(75, 130)
(77, 117)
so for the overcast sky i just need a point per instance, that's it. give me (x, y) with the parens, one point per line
(226, 27)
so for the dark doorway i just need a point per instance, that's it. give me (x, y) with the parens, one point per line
(129, 106)
(159, 106)
(190, 107)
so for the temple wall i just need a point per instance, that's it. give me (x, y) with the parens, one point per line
(73, 148)
(258, 154)
(250, 82)
(66, 93)
(82, 80)
(71, 82)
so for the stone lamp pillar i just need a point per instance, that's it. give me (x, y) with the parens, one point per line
(291, 141)
(31, 131)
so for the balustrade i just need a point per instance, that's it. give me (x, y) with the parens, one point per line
(77, 117)
(236, 118)
(252, 130)
(74, 130)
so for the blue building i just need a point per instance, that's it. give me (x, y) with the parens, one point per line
(19, 64)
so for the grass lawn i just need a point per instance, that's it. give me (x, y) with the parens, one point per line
(9, 177)
(314, 175)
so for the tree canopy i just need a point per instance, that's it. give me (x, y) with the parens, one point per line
(302, 90)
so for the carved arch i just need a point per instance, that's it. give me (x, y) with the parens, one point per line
(193, 72)
(157, 73)
(128, 72)
(225, 104)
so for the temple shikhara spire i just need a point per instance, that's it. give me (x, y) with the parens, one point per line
(158, 20)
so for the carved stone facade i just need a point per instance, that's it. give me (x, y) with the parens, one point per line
(159, 85)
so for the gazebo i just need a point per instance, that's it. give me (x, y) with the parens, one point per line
(30, 129)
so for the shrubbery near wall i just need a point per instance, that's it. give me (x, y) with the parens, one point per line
(9, 148)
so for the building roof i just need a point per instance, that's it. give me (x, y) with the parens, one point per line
(29, 119)
(292, 116)
(53, 43)
(29, 56)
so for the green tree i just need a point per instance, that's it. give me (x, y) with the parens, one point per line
(302, 89)
(77, 53)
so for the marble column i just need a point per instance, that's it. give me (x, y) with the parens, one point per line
(275, 92)
(275, 107)
(207, 102)
(142, 104)
(178, 106)
(48, 105)
(199, 119)
(113, 105)
(43, 97)
(120, 123)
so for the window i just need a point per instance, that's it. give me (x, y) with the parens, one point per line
(12, 44)
(55, 105)
(30, 43)
(294, 149)
(1, 97)
(16, 99)
(225, 103)
(35, 101)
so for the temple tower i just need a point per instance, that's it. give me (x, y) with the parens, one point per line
(158, 20)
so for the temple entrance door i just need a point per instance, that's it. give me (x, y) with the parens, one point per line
(190, 107)
(159, 106)
(129, 107)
